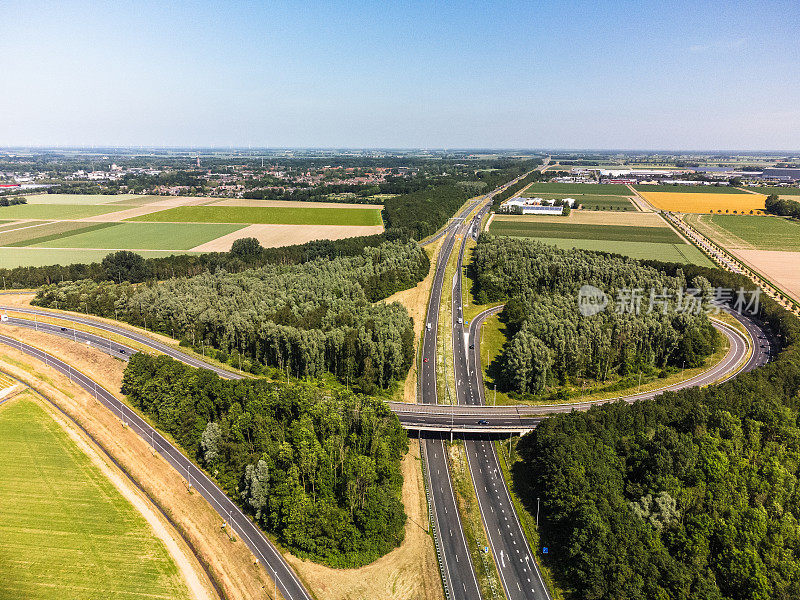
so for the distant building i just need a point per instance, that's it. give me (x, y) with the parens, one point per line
(781, 174)
(532, 209)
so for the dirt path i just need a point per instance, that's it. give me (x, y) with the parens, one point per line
(639, 202)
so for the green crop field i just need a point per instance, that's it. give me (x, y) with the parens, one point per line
(141, 236)
(610, 189)
(778, 191)
(27, 233)
(589, 202)
(690, 189)
(82, 199)
(54, 211)
(626, 233)
(680, 253)
(40, 257)
(265, 215)
(65, 531)
(765, 233)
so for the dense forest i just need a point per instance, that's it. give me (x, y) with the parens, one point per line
(691, 495)
(305, 319)
(783, 207)
(550, 343)
(320, 469)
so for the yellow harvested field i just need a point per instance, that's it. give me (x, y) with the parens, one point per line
(776, 265)
(291, 204)
(273, 236)
(592, 217)
(705, 203)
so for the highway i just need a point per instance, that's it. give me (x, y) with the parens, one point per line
(462, 419)
(286, 580)
(471, 419)
(515, 561)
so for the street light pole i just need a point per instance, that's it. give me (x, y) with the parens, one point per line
(537, 512)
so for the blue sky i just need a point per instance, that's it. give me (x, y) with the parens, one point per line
(644, 75)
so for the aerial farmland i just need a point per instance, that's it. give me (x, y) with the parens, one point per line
(705, 199)
(634, 234)
(66, 228)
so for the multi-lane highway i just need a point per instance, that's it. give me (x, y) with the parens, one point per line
(461, 419)
(285, 578)
(515, 561)
(470, 418)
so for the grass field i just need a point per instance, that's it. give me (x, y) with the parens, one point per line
(778, 191)
(65, 531)
(625, 233)
(589, 202)
(679, 253)
(27, 233)
(693, 202)
(764, 233)
(592, 217)
(271, 215)
(83, 199)
(140, 236)
(577, 188)
(690, 189)
(54, 211)
(39, 257)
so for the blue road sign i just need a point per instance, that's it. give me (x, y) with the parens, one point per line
(545, 550)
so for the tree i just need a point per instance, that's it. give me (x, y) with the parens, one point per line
(247, 249)
(125, 265)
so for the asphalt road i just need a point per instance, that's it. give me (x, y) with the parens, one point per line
(285, 578)
(518, 418)
(515, 561)
(510, 549)
(458, 573)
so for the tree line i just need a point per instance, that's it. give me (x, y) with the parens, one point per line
(783, 207)
(304, 319)
(551, 343)
(318, 468)
(694, 494)
(12, 200)
(408, 216)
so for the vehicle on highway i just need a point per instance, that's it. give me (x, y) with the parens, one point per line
(483, 422)
(424, 360)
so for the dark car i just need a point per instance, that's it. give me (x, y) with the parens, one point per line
(63, 329)
(122, 350)
(472, 346)
(483, 422)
